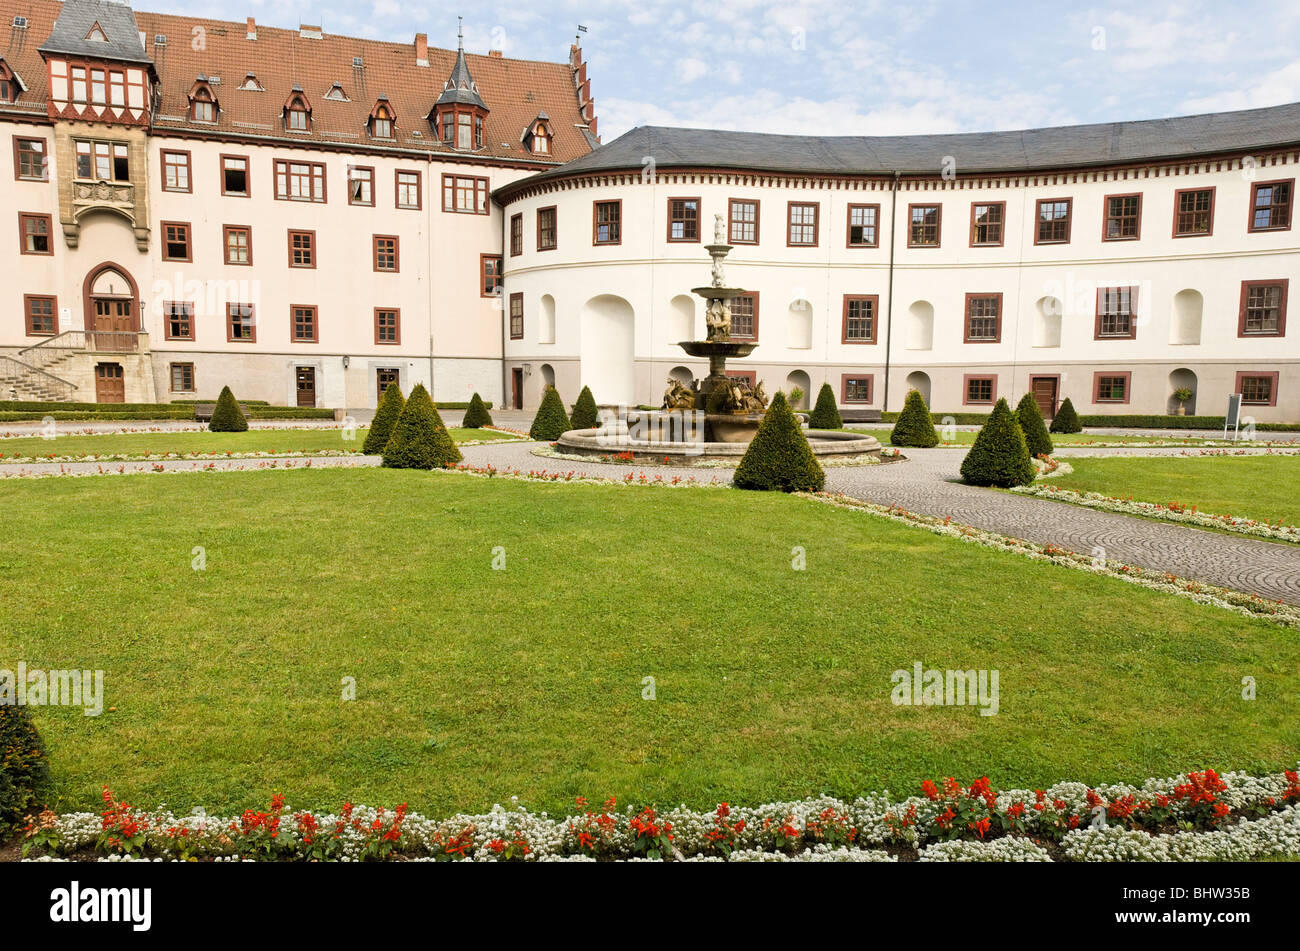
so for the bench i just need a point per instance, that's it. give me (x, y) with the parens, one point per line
(860, 415)
(203, 411)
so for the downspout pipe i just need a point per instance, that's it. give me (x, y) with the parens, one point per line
(889, 313)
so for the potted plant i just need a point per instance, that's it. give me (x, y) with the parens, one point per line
(1182, 395)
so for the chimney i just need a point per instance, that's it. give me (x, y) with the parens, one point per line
(252, 29)
(421, 49)
(495, 54)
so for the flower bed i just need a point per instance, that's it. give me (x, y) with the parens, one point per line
(1199, 816)
(1169, 512)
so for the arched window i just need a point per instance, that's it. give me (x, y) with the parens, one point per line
(203, 104)
(297, 112)
(382, 120)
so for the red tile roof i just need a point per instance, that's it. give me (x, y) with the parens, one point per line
(514, 90)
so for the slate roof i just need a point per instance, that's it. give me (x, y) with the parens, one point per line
(460, 87)
(76, 20)
(513, 89)
(1063, 147)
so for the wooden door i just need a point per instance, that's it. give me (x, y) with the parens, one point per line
(517, 387)
(1044, 390)
(306, 386)
(114, 324)
(384, 377)
(110, 385)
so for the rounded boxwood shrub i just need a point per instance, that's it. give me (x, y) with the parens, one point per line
(779, 456)
(476, 415)
(914, 427)
(551, 421)
(420, 440)
(825, 414)
(24, 768)
(1066, 419)
(381, 427)
(227, 417)
(999, 456)
(1031, 424)
(584, 411)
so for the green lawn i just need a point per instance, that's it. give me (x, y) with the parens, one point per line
(966, 438)
(1266, 488)
(474, 685)
(255, 440)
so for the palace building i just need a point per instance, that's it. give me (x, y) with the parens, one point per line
(307, 217)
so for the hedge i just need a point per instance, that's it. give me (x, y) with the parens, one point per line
(381, 427)
(779, 456)
(999, 456)
(420, 440)
(825, 414)
(1112, 422)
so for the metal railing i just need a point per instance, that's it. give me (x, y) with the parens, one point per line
(61, 345)
(14, 373)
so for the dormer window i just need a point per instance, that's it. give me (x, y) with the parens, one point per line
(537, 137)
(382, 120)
(203, 104)
(337, 93)
(10, 87)
(297, 112)
(250, 84)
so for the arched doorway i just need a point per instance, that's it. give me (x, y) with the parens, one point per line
(920, 381)
(798, 379)
(607, 354)
(112, 317)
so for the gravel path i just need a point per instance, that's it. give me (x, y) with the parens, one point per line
(925, 483)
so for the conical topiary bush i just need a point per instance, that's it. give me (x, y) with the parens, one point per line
(779, 456)
(227, 417)
(551, 421)
(381, 427)
(420, 440)
(584, 411)
(999, 456)
(1066, 419)
(825, 414)
(914, 427)
(26, 774)
(476, 415)
(1030, 418)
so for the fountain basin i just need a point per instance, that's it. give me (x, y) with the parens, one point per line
(717, 348)
(732, 427)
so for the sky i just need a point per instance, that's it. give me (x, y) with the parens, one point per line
(857, 67)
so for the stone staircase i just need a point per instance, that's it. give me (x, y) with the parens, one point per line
(20, 380)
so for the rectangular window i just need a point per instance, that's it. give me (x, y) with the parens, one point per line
(42, 315)
(408, 190)
(1193, 212)
(388, 325)
(1258, 389)
(489, 275)
(304, 323)
(516, 316)
(302, 249)
(1270, 205)
(1116, 313)
(803, 224)
(299, 181)
(238, 243)
(1263, 308)
(516, 235)
(683, 219)
(386, 256)
(986, 224)
(30, 160)
(102, 161)
(79, 85)
(182, 377)
(980, 389)
(98, 88)
(859, 318)
(983, 318)
(743, 216)
(1123, 218)
(924, 225)
(863, 226)
(1053, 225)
(855, 389)
(547, 232)
(176, 171)
(178, 320)
(464, 194)
(361, 185)
(607, 222)
(1112, 388)
(34, 234)
(234, 176)
(241, 326)
(176, 240)
(744, 317)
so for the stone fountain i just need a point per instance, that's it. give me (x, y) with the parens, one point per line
(712, 418)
